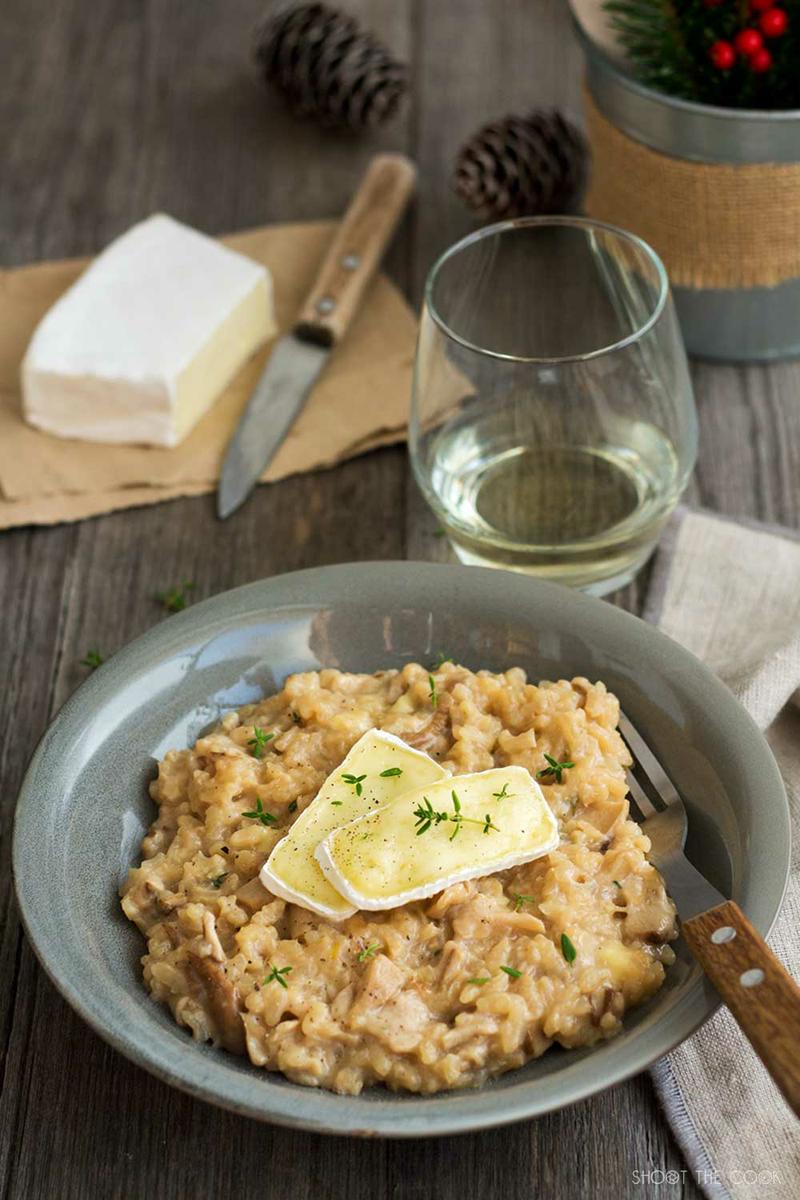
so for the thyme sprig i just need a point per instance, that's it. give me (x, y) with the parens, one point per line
(428, 816)
(276, 975)
(504, 794)
(368, 951)
(175, 599)
(261, 814)
(554, 767)
(355, 782)
(258, 741)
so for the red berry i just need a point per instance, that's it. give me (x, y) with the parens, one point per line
(723, 55)
(761, 5)
(748, 41)
(774, 22)
(761, 61)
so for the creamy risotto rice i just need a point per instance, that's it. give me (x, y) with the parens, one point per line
(417, 998)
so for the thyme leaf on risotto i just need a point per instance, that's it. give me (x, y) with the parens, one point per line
(355, 782)
(261, 814)
(432, 692)
(175, 599)
(390, 772)
(258, 741)
(479, 980)
(368, 951)
(520, 899)
(616, 883)
(292, 807)
(512, 971)
(554, 767)
(218, 880)
(427, 816)
(276, 975)
(567, 949)
(92, 659)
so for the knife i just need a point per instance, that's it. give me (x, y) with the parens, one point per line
(300, 356)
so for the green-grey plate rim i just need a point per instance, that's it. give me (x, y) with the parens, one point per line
(385, 1114)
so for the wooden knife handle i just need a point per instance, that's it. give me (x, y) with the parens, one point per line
(357, 248)
(760, 993)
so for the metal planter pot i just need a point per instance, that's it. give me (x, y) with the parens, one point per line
(738, 323)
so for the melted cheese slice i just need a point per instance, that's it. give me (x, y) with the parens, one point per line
(394, 854)
(291, 871)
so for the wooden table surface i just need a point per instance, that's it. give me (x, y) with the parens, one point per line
(110, 111)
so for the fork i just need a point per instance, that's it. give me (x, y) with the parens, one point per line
(757, 989)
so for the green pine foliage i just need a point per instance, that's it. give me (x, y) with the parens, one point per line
(669, 44)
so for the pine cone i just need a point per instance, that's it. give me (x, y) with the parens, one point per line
(328, 67)
(523, 166)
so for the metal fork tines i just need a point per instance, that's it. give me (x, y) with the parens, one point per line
(657, 806)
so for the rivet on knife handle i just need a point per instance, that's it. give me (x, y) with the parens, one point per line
(357, 248)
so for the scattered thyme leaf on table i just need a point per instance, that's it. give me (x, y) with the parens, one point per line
(175, 599)
(92, 659)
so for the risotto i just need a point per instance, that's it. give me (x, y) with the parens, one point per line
(441, 993)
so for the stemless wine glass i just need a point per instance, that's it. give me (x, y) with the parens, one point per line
(553, 425)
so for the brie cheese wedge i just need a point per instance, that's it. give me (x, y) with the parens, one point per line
(378, 768)
(425, 840)
(143, 343)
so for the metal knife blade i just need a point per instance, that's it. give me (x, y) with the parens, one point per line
(277, 398)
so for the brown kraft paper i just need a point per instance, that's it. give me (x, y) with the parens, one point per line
(360, 401)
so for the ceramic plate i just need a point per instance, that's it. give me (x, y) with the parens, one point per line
(84, 805)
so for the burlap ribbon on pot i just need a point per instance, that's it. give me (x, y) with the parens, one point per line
(714, 225)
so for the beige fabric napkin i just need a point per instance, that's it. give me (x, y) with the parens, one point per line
(730, 593)
(361, 399)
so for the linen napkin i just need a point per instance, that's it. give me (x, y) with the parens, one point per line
(730, 593)
(360, 401)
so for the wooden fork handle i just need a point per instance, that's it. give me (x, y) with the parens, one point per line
(357, 248)
(760, 993)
